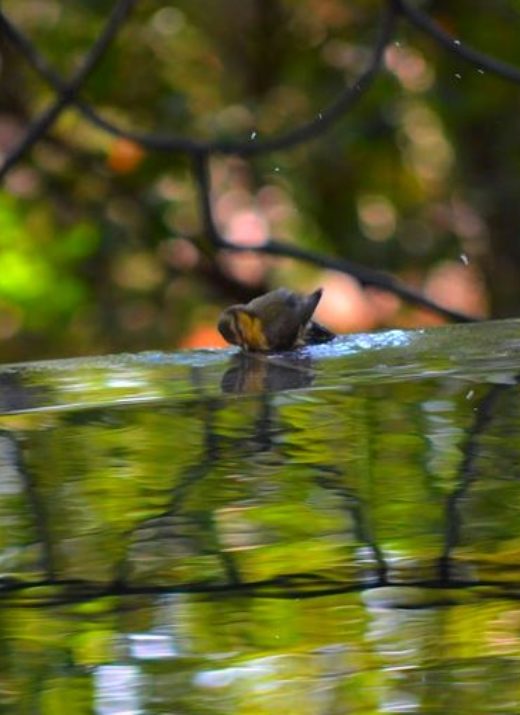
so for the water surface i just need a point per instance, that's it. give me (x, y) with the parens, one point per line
(331, 531)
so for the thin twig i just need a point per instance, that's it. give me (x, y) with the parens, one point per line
(69, 89)
(366, 276)
(482, 61)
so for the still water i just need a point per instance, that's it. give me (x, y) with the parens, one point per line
(332, 531)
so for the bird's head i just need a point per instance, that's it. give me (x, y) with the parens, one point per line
(228, 325)
(239, 326)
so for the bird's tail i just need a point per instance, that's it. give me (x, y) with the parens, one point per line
(316, 334)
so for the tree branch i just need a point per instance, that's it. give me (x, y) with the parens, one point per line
(67, 91)
(482, 61)
(366, 276)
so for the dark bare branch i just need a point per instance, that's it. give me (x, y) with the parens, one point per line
(68, 90)
(366, 276)
(481, 61)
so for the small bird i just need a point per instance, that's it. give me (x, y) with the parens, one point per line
(279, 320)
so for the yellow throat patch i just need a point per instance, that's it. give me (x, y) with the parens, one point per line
(251, 331)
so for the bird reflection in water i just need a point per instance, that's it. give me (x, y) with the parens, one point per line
(256, 373)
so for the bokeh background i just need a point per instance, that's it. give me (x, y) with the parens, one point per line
(101, 245)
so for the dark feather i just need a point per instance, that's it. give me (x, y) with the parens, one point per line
(316, 334)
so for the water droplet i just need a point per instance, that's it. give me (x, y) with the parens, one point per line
(464, 259)
(470, 394)
(456, 42)
(253, 135)
(458, 76)
(397, 43)
(481, 71)
(277, 168)
(320, 116)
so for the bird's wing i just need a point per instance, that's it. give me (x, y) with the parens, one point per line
(269, 304)
(287, 325)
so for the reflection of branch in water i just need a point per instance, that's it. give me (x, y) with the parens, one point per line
(176, 531)
(292, 587)
(467, 475)
(256, 373)
(36, 505)
(363, 533)
(182, 532)
(264, 427)
(75, 591)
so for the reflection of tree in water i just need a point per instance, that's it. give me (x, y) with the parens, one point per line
(181, 533)
(178, 534)
(354, 505)
(17, 480)
(490, 409)
(182, 548)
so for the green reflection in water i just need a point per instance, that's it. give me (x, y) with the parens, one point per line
(235, 654)
(325, 532)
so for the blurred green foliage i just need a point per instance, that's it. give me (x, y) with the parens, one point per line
(101, 246)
